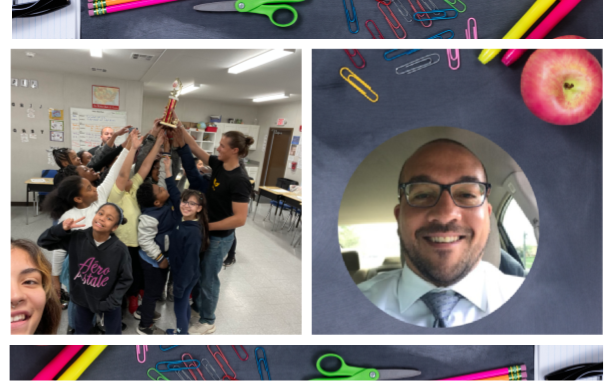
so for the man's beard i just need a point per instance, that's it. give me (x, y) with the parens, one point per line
(441, 277)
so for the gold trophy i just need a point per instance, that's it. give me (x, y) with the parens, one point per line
(167, 120)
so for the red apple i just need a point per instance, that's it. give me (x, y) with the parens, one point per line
(562, 86)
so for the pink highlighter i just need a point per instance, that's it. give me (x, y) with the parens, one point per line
(552, 19)
(58, 363)
(126, 6)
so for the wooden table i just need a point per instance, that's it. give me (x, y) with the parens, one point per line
(37, 184)
(273, 193)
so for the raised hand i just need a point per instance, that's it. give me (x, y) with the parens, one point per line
(70, 223)
(122, 131)
(157, 127)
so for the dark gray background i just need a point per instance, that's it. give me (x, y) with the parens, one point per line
(288, 362)
(322, 19)
(563, 293)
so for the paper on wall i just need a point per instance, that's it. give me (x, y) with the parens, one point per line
(299, 166)
(24, 138)
(32, 136)
(299, 150)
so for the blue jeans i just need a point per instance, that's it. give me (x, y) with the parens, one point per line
(209, 278)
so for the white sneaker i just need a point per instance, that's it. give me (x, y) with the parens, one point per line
(201, 329)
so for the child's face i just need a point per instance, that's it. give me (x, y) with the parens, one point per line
(74, 159)
(86, 157)
(28, 296)
(88, 193)
(87, 173)
(106, 219)
(161, 195)
(190, 207)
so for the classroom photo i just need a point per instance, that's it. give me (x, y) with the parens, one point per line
(464, 198)
(156, 191)
(306, 19)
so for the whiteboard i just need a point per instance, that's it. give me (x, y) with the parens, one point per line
(87, 124)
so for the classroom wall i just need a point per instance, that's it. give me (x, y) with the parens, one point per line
(267, 118)
(58, 91)
(195, 110)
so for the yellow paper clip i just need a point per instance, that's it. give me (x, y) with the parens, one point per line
(352, 75)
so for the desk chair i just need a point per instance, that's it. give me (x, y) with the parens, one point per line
(279, 202)
(49, 174)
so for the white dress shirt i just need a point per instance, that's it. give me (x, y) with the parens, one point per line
(398, 293)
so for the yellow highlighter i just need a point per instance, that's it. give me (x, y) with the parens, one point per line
(520, 28)
(85, 360)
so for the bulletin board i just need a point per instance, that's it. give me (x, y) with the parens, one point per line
(87, 124)
(286, 362)
(563, 294)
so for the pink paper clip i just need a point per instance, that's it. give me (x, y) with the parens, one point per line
(451, 59)
(423, 23)
(219, 353)
(139, 351)
(474, 30)
(243, 348)
(389, 22)
(191, 363)
(351, 55)
(370, 31)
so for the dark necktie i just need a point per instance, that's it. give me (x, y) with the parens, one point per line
(441, 304)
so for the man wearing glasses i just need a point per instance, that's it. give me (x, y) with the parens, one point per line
(443, 224)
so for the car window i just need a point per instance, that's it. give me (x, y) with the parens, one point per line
(373, 242)
(520, 232)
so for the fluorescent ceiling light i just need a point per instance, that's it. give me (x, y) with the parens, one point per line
(95, 52)
(189, 88)
(271, 97)
(262, 59)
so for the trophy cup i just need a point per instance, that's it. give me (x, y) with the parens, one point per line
(172, 102)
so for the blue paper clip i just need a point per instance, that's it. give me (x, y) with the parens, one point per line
(351, 20)
(443, 12)
(160, 377)
(260, 360)
(387, 58)
(440, 35)
(167, 348)
(194, 365)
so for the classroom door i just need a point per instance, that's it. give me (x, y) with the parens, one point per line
(277, 151)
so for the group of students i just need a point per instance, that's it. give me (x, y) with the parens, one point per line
(121, 224)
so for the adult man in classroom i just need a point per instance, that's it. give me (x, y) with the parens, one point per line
(443, 219)
(105, 135)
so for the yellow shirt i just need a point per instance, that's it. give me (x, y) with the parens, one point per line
(128, 233)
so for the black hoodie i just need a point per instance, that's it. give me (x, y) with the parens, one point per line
(99, 275)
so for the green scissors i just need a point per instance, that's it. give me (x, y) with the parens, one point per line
(252, 6)
(346, 372)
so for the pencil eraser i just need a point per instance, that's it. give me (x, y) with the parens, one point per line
(524, 375)
(523, 368)
(91, 13)
(90, 6)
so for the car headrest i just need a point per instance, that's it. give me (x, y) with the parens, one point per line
(352, 261)
(491, 253)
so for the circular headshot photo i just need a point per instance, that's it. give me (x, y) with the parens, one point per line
(438, 227)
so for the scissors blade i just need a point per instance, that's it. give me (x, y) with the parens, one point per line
(397, 374)
(219, 6)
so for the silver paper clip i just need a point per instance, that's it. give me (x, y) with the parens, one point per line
(474, 30)
(139, 351)
(441, 34)
(209, 368)
(261, 360)
(403, 11)
(451, 59)
(429, 60)
(431, 8)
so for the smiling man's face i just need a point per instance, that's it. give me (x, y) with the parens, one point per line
(442, 243)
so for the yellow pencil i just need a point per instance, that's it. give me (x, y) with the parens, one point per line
(85, 360)
(520, 28)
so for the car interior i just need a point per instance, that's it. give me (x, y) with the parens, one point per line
(370, 197)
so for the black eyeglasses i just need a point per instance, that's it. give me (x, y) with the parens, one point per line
(593, 371)
(38, 8)
(465, 194)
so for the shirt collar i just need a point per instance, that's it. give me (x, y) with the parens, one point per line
(411, 287)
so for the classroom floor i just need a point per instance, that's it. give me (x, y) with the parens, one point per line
(260, 293)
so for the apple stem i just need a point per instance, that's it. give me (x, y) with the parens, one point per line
(568, 86)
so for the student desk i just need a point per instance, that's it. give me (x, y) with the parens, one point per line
(285, 362)
(273, 193)
(37, 184)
